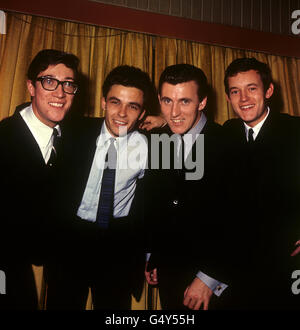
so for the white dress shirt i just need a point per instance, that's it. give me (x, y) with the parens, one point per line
(42, 133)
(256, 128)
(132, 153)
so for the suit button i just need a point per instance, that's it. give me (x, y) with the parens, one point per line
(175, 201)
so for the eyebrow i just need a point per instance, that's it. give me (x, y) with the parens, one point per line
(181, 99)
(112, 98)
(251, 84)
(52, 76)
(136, 104)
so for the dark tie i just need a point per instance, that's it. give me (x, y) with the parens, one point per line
(53, 156)
(250, 136)
(106, 199)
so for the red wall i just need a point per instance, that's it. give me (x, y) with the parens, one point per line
(86, 11)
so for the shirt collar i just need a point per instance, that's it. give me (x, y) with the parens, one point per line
(257, 127)
(41, 132)
(105, 136)
(196, 130)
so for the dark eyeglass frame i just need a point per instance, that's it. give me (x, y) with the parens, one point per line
(42, 79)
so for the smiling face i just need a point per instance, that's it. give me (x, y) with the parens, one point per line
(247, 96)
(180, 105)
(50, 107)
(123, 108)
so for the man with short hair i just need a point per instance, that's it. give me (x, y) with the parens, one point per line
(104, 217)
(29, 156)
(264, 185)
(185, 261)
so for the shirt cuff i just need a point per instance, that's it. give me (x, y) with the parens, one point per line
(216, 286)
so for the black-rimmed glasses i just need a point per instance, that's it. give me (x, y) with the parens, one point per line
(50, 84)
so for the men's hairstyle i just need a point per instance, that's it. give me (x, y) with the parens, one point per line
(246, 64)
(48, 57)
(130, 76)
(181, 73)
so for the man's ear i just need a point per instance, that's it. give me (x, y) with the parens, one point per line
(31, 88)
(269, 91)
(103, 103)
(159, 99)
(202, 104)
(227, 98)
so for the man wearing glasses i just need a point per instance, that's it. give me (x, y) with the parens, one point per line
(29, 156)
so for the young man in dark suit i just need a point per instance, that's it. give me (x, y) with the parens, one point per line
(28, 155)
(186, 254)
(264, 188)
(102, 249)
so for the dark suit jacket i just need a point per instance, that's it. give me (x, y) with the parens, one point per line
(263, 189)
(83, 241)
(183, 216)
(26, 200)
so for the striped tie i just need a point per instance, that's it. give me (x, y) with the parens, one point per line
(106, 199)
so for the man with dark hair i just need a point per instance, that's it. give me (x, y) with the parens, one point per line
(28, 165)
(48, 57)
(264, 185)
(181, 73)
(185, 259)
(102, 201)
(247, 64)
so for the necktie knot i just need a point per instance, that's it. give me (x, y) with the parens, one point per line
(55, 142)
(55, 132)
(111, 155)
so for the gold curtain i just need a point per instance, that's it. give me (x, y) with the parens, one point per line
(213, 60)
(101, 49)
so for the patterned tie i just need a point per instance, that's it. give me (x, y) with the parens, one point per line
(250, 136)
(106, 199)
(53, 156)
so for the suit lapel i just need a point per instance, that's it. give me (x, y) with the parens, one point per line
(265, 132)
(205, 131)
(25, 142)
(80, 148)
(241, 132)
(91, 146)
